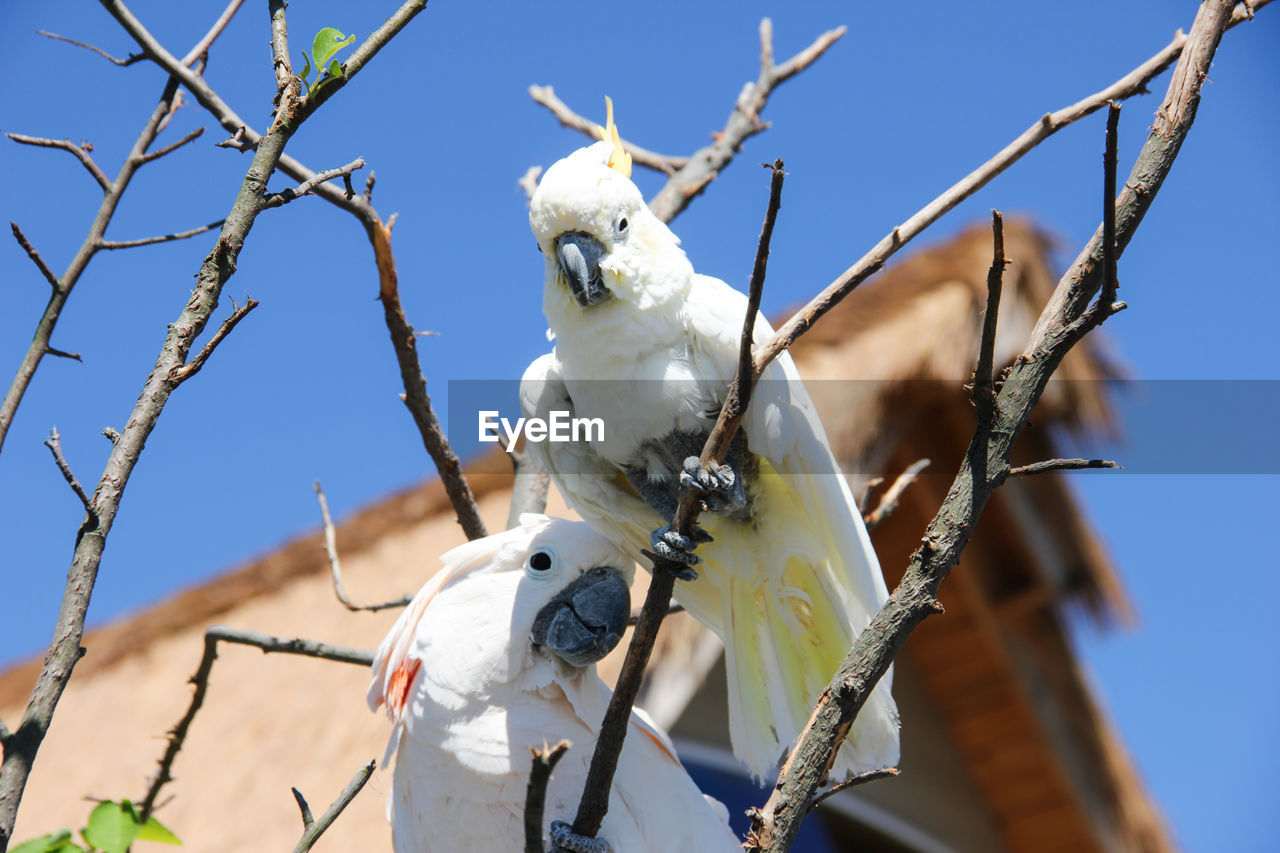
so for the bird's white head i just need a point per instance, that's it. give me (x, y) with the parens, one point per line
(549, 591)
(600, 241)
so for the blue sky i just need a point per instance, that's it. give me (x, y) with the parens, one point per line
(914, 97)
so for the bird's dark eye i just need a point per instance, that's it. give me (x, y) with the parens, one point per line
(622, 225)
(540, 562)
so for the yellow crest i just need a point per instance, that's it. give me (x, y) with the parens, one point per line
(619, 160)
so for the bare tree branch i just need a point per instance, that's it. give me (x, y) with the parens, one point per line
(54, 443)
(286, 196)
(170, 369)
(852, 781)
(129, 60)
(312, 831)
(1060, 465)
(169, 149)
(529, 180)
(335, 565)
(201, 47)
(1135, 82)
(112, 245)
(604, 760)
(78, 151)
(546, 96)
(191, 368)
(889, 501)
(744, 122)
(40, 344)
(535, 799)
(403, 337)
(986, 463)
(178, 734)
(983, 383)
(303, 808)
(280, 45)
(35, 257)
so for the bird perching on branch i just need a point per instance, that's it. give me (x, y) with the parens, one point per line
(785, 573)
(494, 657)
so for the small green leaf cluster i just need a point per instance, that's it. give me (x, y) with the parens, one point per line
(326, 43)
(112, 828)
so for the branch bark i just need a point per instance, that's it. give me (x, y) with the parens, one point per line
(170, 370)
(312, 830)
(986, 463)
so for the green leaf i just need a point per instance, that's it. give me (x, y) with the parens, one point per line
(335, 69)
(306, 69)
(112, 827)
(328, 42)
(55, 842)
(154, 830)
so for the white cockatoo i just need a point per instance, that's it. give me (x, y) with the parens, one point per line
(495, 656)
(648, 346)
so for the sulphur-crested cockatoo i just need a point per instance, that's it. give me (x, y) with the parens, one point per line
(648, 346)
(494, 657)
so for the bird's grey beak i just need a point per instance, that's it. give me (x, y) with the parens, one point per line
(579, 256)
(586, 620)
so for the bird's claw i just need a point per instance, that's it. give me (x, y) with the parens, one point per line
(715, 483)
(563, 838)
(672, 545)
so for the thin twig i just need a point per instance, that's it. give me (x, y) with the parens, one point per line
(303, 808)
(529, 180)
(986, 463)
(170, 369)
(74, 356)
(1060, 465)
(312, 831)
(983, 384)
(191, 368)
(170, 98)
(535, 798)
(335, 565)
(852, 781)
(169, 149)
(744, 122)
(54, 443)
(889, 501)
(111, 245)
(78, 151)
(35, 257)
(129, 60)
(604, 760)
(1133, 83)
(286, 196)
(201, 48)
(178, 734)
(546, 96)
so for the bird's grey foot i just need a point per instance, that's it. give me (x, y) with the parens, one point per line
(717, 485)
(672, 545)
(563, 838)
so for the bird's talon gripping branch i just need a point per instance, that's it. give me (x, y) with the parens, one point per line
(565, 839)
(717, 485)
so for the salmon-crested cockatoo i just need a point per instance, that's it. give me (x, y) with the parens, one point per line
(642, 342)
(495, 656)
